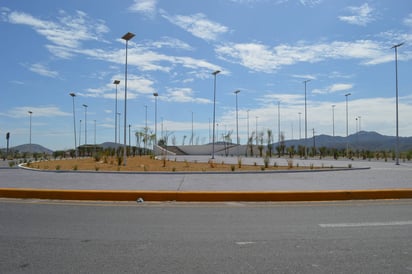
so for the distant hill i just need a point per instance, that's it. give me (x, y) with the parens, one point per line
(33, 148)
(362, 140)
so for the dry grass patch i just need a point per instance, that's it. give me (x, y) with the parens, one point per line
(149, 164)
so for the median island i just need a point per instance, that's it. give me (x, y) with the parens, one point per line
(162, 164)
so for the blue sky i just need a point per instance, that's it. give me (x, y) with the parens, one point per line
(265, 49)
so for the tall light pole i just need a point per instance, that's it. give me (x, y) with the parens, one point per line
(333, 120)
(347, 125)
(72, 94)
(300, 136)
(30, 113)
(95, 122)
(118, 126)
(146, 130)
(306, 119)
(248, 125)
(257, 130)
(214, 112)
(116, 82)
(397, 117)
(192, 131)
(155, 94)
(85, 123)
(130, 144)
(279, 123)
(237, 118)
(125, 37)
(80, 133)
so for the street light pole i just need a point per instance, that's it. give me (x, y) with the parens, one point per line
(74, 125)
(333, 120)
(125, 37)
(237, 119)
(397, 117)
(146, 130)
(214, 112)
(300, 113)
(155, 95)
(347, 125)
(257, 130)
(85, 123)
(116, 82)
(192, 131)
(30, 113)
(118, 126)
(306, 119)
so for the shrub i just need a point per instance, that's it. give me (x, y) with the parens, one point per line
(266, 162)
(75, 167)
(97, 157)
(290, 164)
(211, 163)
(58, 167)
(232, 167)
(12, 163)
(239, 162)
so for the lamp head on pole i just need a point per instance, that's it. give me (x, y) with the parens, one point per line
(155, 94)
(116, 82)
(128, 36)
(347, 94)
(216, 72)
(85, 105)
(397, 45)
(236, 92)
(72, 94)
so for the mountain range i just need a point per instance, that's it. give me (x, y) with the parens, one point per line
(363, 140)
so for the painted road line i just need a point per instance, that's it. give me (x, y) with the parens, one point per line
(393, 223)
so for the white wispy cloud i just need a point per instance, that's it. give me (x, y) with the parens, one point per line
(198, 25)
(184, 95)
(333, 88)
(136, 86)
(43, 70)
(408, 20)
(259, 57)
(169, 42)
(40, 111)
(67, 31)
(147, 7)
(310, 2)
(360, 16)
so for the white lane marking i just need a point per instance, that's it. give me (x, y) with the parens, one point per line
(395, 223)
(245, 243)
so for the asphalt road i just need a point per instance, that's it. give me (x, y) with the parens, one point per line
(95, 237)
(381, 175)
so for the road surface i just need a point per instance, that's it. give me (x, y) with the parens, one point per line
(95, 237)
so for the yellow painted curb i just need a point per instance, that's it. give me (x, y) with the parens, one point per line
(204, 196)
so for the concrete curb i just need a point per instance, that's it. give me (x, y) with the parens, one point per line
(204, 196)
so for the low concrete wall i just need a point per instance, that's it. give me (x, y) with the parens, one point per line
(205, 196)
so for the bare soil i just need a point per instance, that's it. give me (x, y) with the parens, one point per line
(147, 163)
